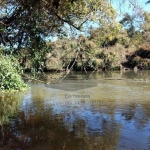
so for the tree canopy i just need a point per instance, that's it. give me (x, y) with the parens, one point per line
(86, 27)
(23, 23)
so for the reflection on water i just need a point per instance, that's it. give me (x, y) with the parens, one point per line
(114, 114)
(9, 105)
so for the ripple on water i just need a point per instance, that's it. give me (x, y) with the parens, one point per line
(116, 115)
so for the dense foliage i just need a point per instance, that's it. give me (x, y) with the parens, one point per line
(89, 36)
(26, 23)
(10, 78)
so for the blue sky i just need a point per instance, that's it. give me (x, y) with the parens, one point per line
(126, 7)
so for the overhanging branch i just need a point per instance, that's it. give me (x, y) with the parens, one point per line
(69, 22)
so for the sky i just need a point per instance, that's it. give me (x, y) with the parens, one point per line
(128, 7)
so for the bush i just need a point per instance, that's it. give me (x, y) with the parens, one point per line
(10, 78)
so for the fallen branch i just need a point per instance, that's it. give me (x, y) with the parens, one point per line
(68, 71)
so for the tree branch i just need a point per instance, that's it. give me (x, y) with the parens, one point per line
(69, 22)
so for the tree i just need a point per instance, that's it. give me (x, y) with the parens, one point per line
(107, 34)
(145, 27)
(24, 23)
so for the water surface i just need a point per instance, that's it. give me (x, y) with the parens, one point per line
(100, 111)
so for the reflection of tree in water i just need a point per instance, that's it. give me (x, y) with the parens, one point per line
(40, 128)
(83, 126)
(100, 132)
(43, 131)
(142, 115)
(138, 113)
(9, 105)
(128, 111)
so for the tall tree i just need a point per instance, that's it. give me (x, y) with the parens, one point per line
(25, 22)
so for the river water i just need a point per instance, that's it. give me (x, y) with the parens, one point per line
(99, 111)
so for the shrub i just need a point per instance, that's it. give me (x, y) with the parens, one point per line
(10, 78)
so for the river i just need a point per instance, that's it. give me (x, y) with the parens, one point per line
(93, 111)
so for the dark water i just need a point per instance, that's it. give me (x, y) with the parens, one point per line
(101, 111)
